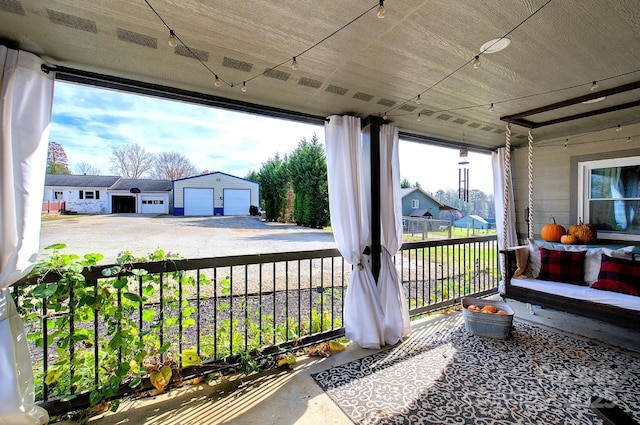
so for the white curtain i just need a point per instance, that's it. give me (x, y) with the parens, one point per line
(350, 220)
(394, 304)
(26, 98)
(498, 165)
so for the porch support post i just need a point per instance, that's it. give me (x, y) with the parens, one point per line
(371, 138)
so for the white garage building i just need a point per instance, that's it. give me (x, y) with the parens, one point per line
(214, 194)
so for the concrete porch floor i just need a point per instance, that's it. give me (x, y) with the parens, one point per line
(293, 397)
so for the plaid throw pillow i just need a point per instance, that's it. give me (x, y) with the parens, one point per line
(618, 275)
(562, 266)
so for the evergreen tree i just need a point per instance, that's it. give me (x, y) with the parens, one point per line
(274, 183)
(308, 176)
(405, 184)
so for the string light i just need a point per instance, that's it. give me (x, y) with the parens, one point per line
(381, 10)
(566, 143)
(244, 86)
(418, 119)
(476, 62)
(628, 139)
(594, 85)
(492, 108)
(618, 128)
(217, 82)
(418, 100)
(294, 64)
(385, 116)
(173, 40)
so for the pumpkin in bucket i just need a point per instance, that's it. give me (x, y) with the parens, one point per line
(552, 232)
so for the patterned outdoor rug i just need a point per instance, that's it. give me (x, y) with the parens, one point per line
(453, 377)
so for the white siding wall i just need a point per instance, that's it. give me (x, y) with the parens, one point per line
(218, 182)
(552, 173)
(88, 206)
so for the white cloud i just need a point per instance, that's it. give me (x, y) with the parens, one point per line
(89, 122)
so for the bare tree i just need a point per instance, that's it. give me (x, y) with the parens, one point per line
(173, 165)
(87, 169)
(131, 161)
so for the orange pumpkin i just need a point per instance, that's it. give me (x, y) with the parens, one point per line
(552, 232)
(587, 233)
(569, 239)
(573, 229)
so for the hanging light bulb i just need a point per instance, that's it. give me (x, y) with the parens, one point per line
(594, 85)
(216, 82)
(418, 100)
(294, 64)
(418, 119)
(476, 61)
(566, 143)
(628, 139)
(173, 40)
(385, 116)
(381, 10)
(492, 108)
(618, 128)
(244, 86)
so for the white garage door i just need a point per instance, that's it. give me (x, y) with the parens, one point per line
(236, 201)
(154, 204)
(198, 201)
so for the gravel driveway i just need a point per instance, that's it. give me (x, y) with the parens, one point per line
(190, 237)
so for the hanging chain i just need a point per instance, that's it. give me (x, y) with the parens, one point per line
(530, 164)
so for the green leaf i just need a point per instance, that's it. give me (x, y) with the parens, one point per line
(123, 369)
(95, 397)
(148, 290)
(188, 322)
(139, 272)
(111, 271)
(148, 315)
(171, 321)
(57, 246)
(113, 406)
(164, 348)
(44, 291)
(116, 342)
(120, 283)
(135, 382)
(132, 297)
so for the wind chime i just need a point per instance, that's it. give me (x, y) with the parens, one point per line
(463, 175)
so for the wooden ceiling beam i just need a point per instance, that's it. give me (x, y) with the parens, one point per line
(518, 118)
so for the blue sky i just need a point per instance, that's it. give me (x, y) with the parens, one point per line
(90, 122)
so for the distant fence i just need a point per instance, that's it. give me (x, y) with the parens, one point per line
(53, 206)
(426, 227)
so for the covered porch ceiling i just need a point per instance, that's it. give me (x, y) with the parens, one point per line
(352, 62)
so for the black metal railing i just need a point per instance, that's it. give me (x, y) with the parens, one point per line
(208, 315)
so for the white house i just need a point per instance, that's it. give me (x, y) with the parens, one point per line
(142, 196)
(214, 194)
(81, 193)
(108, 194)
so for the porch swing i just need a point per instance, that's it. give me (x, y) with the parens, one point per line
(516, 257)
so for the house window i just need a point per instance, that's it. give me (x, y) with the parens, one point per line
(609, 196)
(89, 194)
(57, 196)
(415, 204)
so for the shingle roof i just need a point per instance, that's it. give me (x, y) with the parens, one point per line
(79, 180)
(145, 185)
